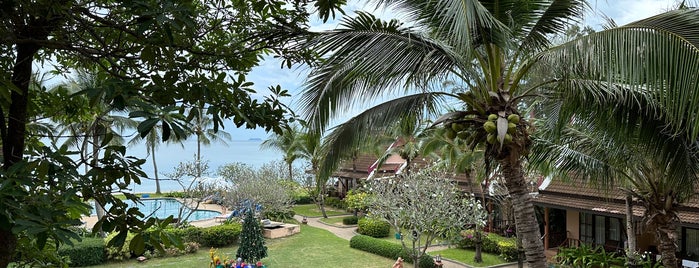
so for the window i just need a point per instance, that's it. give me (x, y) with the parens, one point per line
(599, 230)
(691, 243)
(586, 224)
(614, 229)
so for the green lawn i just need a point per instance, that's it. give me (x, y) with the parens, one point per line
(312, 210)
(466, 256)
(334, 221)
(313, 247)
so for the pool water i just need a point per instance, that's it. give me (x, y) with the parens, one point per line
(165, 207)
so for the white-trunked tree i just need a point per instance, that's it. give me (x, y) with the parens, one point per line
(426, 205)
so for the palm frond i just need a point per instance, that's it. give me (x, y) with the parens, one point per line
(352, 134)
(462, 22)
(369, 58)
(658, 56)
(542, 19)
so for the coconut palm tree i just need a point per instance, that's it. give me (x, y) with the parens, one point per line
(165, 120)
(200, 125)
(491, 49)
(287, 143)
(660, 175)
(310, 147)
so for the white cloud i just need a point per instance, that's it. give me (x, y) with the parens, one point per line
(625, 11)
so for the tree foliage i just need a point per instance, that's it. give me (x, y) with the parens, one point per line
(266, 186)
(252, 244)
(424, 205)
(151, 54)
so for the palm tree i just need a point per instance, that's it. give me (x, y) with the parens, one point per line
(287, 143)
(91, 129)
(661, 174)
(169, 119)
(492, 48)
(200, 125)
(310, 148)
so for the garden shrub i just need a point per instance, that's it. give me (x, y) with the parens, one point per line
(508, 250)
(335, 202)
(303, 199)
(587, 256)
(221, 235)
(387, 249)
(89, 251)
(373, 227)
(119, 253)
(350, 220)
(176, 194)
(280, 216)
(491, 243)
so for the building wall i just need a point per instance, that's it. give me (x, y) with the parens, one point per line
(573, 223)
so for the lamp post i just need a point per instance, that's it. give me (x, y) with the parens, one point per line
(438, 260)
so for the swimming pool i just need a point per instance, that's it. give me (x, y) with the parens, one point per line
(164, 207)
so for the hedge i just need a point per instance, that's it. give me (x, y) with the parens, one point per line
(89, 251)
(373, 227)
(221, 235)
(350, 220)
(302, 200)
(335, 202)
(387, 249)
(491, 243)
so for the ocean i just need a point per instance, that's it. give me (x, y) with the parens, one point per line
(168, 156)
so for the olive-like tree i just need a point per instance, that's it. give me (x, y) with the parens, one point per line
(496, 54)
(426, 205)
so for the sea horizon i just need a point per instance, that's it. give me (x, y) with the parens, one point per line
(169, 156)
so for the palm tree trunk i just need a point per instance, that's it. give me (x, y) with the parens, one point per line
(322, 201)
(155, 170)
(198, 156)
(666, 234)
(291, 177)
(525, 219)
(630, 230)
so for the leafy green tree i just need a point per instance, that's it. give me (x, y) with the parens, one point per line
(153, 53)
(490, 51)
(252, 244)
(425, 205)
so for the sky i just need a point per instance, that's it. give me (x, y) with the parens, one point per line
(270, 73)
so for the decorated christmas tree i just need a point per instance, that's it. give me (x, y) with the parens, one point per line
(252, 244)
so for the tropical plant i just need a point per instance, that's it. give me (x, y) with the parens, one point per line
(660, 175)
(286, 142)
(165, 120)
(156, 53)
(492, 49)
(202, 125)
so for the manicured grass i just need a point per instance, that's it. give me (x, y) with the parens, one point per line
(312, 210)
(313, 247)
(466, 256)
(334, 221)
